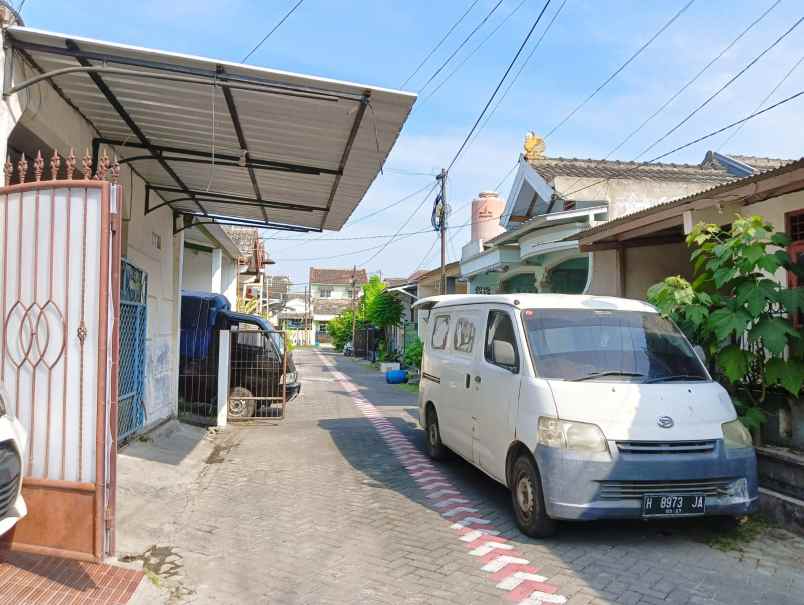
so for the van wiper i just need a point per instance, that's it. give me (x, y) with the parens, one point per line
(606, 373)
(673, 377)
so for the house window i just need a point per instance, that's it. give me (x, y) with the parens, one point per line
(795, 229)
(322, 327)
(294, 324)
(325, 292)
(569, 277)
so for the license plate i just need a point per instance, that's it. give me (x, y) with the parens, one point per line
(669, 505)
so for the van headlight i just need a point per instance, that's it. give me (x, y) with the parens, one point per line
(736, 436)
(289, 378)
(571, 435)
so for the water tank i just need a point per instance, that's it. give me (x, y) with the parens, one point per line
(486, 211)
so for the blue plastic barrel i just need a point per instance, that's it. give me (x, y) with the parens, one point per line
(396, 376)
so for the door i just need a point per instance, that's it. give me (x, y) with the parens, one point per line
(59, 302)
(133, 323)
(496, 392)
(465, 339)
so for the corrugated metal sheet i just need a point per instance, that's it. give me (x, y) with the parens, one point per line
(344, 129)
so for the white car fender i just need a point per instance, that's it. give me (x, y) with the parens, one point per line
(12, 431)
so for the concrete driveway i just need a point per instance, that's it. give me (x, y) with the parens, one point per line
(337, 504)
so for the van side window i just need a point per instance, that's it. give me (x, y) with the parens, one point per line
(440, 332)
(464, 337)
(500, 330)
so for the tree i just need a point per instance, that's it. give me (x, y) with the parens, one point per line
(380, 308)
(738, 313)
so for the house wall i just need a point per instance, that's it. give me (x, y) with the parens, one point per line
(627, 196)
(773, 210)
(634, 271)
(197, 270)
(148, 241)
(339, 291)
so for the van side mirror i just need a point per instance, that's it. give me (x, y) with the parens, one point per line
(700, 353)
(504, 353)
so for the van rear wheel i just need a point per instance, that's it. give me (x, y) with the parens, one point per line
(241, 403)
(528, 500)
(435, 449)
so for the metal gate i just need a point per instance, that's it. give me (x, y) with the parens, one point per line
(131, 414)
(59, 302)
(258, 371)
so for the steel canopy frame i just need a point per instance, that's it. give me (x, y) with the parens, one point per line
(95, 59)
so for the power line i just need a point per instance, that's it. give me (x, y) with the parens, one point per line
(440, 42)
(358, 220)
(721, 89)
(698, 140)
(747, 118)
(689, 83)
(476, 48)
(765, 100)
(499, 84)
(270, 33)
(428, 253)
(461, 45)
(616, 72)
(402, 226)
(522, 67)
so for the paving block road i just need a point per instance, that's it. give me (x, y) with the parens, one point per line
(339, 504)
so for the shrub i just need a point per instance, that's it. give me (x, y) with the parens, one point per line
(738, 313)
(413, 354)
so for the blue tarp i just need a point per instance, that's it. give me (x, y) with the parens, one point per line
(199, 312)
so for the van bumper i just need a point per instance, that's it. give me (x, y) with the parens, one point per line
(598, 487)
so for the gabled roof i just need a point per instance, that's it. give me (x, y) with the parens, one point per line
(550, 168)
(337, 277)
(713, 194)
(221, 141)
(330, 306)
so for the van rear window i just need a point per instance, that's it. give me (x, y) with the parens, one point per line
(440, 332)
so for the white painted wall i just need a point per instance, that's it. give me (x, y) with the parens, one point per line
(338, 292)
(197, 272)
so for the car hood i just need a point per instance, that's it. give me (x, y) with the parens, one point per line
(630, 411)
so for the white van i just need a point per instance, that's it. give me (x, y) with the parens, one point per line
(585, 407)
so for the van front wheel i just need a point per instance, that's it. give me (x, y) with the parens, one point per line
(435, 449)
(528, 500)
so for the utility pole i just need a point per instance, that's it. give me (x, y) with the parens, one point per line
(443, 228)
(354, 285)
(306, 327)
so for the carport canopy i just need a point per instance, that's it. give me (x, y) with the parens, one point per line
(223, 142)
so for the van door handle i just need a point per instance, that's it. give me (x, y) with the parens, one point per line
(468, 378)
(477, 379)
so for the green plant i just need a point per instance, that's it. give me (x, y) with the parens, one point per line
(738, 313)
(340, 329)
(413, 354)
(380, 307)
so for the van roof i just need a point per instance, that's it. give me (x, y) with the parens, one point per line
(539, 301)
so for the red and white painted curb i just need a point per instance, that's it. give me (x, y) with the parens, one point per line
(506, 567)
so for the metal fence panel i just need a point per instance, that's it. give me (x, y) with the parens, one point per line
(198, 376)
(257, 374)
(131, 414)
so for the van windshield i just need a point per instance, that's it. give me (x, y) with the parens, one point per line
(590, 344)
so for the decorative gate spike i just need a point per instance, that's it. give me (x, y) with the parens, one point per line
(70, 164)
(8, 170)
(103, 167)
(22, 168)
(39, 166)
(86, 164)
(55, 164)
(115, 170)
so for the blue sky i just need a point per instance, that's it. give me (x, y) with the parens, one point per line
(381, 42)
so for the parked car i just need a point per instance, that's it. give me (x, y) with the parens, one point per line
(585, 407)
(258, 368)
(348, 349)
(13, 441)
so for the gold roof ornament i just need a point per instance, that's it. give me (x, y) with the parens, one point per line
(534, 146)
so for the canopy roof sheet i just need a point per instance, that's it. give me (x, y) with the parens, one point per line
(226, 141)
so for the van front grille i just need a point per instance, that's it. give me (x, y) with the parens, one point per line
(666, 447)
(634, 490)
